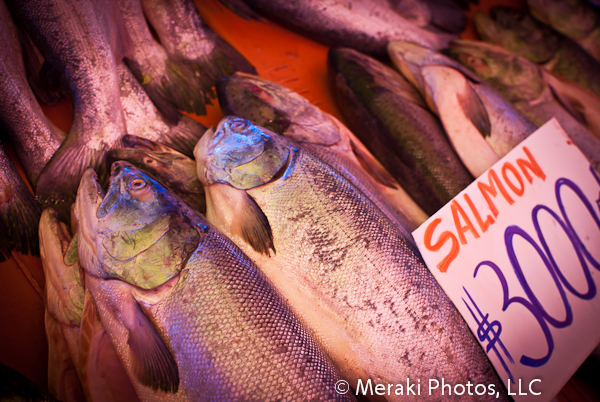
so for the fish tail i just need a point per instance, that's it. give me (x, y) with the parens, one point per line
(184, 91)
(223, 61)
(184, 136)
(19, 218)
(59, 180)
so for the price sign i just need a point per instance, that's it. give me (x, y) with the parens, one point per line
(518, 252)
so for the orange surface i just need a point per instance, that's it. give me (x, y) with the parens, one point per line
(278, 55)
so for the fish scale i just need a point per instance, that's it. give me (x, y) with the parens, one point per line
(231, 335)
(366, 296)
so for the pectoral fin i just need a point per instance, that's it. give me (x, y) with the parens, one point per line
(152, 361)
(475, 110)
(253, 226)
(568, 94)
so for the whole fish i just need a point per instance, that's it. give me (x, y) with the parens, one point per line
(82, 363)
(522, 34)
(481, 125)
(189, 314)
(64, 306)
(348, 273)
(19, 212)
(365, 25)
(34, 137)
(71, 34)
(291, 115)
(170, 83)
(143, 119)
(573, 18)
(389, 116)
(187, 38)
(173, 169)
(522, 82)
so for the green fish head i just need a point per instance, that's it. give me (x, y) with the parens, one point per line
(514, 77)
(138, 232)
(276, 108)
(242, 154)
(169, 166)
(517, 32)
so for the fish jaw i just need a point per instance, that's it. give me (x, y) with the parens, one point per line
(241, 154)
(132, 232)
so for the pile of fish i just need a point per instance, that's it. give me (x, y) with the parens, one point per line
(270, 257)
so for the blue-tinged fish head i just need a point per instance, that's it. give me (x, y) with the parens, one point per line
(517, 32)
(277, 108)
(137, 232)
(513, 76)
(242, 154)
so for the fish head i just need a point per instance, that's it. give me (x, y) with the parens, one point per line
(410, 58)
(137, 232)
(515, 77)
(574, 18)
(517, 32)
(366, 75)
(171, 167)
(242, 154)
(64, 285)
(276, 108)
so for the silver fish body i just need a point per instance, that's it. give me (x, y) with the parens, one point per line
(344, 268)
(33, 136)
(72, 34)
(293, 116)
(365, 25)
(190, 316)
(143, 119)
(187, 38)
(523, 83)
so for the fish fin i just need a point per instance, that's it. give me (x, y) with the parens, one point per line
(184, 136)
(474, 109)
(59, 180)
(253, 226)
(241, 9)
(70, 256)
(19, 219)
(371, 165)
(152, 361)
(568, 94)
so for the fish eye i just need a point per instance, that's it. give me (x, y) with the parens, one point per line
(137, 184)
(149, 161)
(257, 90)
(238, 125)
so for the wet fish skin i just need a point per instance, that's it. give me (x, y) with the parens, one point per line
(327, 237)
(291, 115)
(173, 169)
(573, 18)
(523, 83)
(64, 306)
(392, 120)
(19, 212)
(71, 34)
(34, 137)
(522, 34)
(234, 337)
(365, 25)
(143, 119)
(171, 85)
(485, 113)
(191, 41)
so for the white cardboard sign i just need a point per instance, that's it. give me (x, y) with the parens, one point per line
(518, 252)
